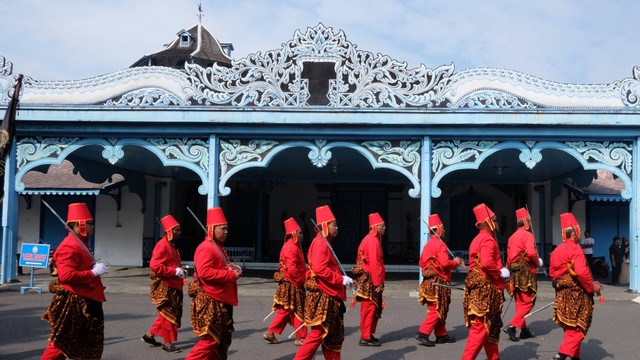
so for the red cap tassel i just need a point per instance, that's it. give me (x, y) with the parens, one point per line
(353, 301)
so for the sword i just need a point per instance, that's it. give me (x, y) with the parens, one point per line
(295, 331)
(449, 286)
(538, 310)
(266, 317)
(224, 258)
(69, 229)
(507, 309)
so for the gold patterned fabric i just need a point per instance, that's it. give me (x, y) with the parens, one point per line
(483, 299)
(429, 292)
(573, 306)
(323, 310)
(522, 279)
(77, 324)
(168, 301)
(211, 317)
(365, 289)
(290, 298)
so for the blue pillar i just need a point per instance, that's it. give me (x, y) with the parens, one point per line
(9, 219)
(425, 193)
(213, 199)
(634, 221)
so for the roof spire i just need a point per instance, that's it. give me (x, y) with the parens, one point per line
(200, 14)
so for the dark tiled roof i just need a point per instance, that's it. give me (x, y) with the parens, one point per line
(204, 47)
(62, 177)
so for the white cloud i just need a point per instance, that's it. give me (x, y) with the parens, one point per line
(563, 40)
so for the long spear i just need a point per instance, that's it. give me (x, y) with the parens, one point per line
(224, 258)
(69, 229)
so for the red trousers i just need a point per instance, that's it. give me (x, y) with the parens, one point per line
(164, 328)
(477, 339)
(368, 319)
(432, 321)
(311, 344)
(52, 353)
(205, 349)
(571, 342)
(523, 307)
(284, 317)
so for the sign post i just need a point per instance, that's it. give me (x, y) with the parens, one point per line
(34, 256)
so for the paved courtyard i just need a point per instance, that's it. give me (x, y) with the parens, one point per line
(129, 314)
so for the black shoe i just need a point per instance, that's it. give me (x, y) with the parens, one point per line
(170, 348)
(525, 333)
(150, 341)
(364, 342)
(373, 338)
(424, 340)
(511, 331)
(445, 339)
(560, 357)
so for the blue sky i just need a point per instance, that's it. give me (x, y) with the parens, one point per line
(572, 41)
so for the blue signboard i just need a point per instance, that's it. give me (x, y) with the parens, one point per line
(34, 255)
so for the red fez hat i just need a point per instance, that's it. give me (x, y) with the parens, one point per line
(215, 217)
(79, 212)
(568, 221)
(324, 216)
(375, 219)
(522, 214)
(168, 223)
(434, 220)
(482, 213)
(291, 226)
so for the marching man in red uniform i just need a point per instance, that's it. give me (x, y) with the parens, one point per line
(522, 262)
(573, 308)
(75, 313)
(324, 304)
(288, 301)
(214, 291)
(484, 285)
(168, 279)
(370, 273)
(436, 268)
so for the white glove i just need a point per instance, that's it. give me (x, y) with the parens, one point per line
(346, 281)
(100, 268)
(540, 262)
(504, 273)
(179, 272)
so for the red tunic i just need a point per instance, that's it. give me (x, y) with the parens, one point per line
(485, 255)
(370, 252)
(324, 266)
(216, 279)
(74, 269)
(164, 261)
(523, 241)
(566, 255)
(292, 263)
(435, 251)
